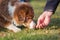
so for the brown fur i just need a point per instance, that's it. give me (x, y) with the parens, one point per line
(24, 14)
(4, 14)
(5, 17)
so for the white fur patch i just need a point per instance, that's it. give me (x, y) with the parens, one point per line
(13, 28)
(11, 9)
(32, 25)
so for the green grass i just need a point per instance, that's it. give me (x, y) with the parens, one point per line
(52, 32)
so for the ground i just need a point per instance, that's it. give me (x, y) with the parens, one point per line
(51, 32)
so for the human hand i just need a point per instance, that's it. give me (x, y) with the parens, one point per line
(44, 19)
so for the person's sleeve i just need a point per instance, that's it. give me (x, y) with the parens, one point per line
(51, 5)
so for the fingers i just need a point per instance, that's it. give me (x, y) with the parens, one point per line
(41, 26)
(42, 23)
(37, 26)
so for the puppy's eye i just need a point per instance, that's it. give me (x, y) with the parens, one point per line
(29, 17)
(21, 19)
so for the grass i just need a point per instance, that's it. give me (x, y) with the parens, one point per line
(52, 32)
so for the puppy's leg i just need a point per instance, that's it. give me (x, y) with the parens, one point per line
(7, 24)
(13, 28)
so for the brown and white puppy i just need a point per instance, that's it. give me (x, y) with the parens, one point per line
(23, 15)
(17, 12)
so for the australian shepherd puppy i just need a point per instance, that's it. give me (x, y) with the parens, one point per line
(14, 13)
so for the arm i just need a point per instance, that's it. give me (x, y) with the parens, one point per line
(51, 5)
(45, 17)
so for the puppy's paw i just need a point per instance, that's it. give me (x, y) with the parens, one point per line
(13, 28)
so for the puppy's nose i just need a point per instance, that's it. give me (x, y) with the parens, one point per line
(32, 25)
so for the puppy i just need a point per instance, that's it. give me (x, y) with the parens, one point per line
(23, 15)
(19, 13)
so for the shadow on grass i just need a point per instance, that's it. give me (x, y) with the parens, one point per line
(3, 29)
(55, 23)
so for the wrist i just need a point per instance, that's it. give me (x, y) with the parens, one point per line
(48, 13)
